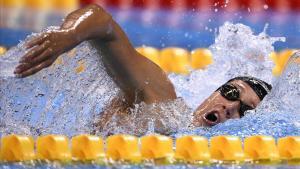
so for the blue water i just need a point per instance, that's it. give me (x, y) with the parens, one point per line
(187, 29)
(59, 101)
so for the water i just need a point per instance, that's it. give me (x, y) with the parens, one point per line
(239, 52)
(63, 99)
(164, 118)
(69, 97)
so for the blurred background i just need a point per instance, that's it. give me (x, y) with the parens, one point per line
(187, 24)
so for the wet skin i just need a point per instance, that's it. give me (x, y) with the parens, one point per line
(139, 78)
(216, 109)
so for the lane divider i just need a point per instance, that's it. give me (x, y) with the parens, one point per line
(181, 61)
(261, 148)
(87, 147)
(201, 58)
(157, 149)
(53, 147)
(123, 147)
(175, 60)
(226, 148)
(192, 149)
(17, 148)
(289, 148)
(3, 50)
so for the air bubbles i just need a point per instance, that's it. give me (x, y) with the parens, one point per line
(238, 51)
(28, 109)
(186, 34)
(165, 118)
(57, 99)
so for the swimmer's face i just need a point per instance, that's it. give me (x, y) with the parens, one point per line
(217, 109)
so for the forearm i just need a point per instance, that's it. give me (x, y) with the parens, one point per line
(139, 78)
(91, 22)
(94, 23)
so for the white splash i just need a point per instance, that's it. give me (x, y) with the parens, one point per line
(56, 100)
(237, 51)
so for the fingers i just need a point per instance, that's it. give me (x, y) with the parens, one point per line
(32, 70)
(21, 68)
(24, 66)
(42, 57)
(37, 50)
(36, 41)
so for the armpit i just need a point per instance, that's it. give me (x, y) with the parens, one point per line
(116, 109)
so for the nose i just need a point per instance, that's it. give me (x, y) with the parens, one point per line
(231, 110)
(221, 113)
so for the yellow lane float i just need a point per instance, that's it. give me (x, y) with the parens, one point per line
(261, 148)
(2, 50)
(38, 4)
(150, 53)
(158, 148)
(87, 147)
(226, 148)
(192, 149)
(65, 5)
(53, 147)
(123, 147)
(12, 3)
(201, 58)
(289, 148)
(280, 59)
(175, 60)
(16, 148)
(152, 148)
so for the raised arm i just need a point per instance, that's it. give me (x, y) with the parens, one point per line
(83, 24)
(138, 77)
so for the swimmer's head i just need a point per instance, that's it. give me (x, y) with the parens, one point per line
(231, 100)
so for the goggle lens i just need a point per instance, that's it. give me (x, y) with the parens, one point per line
(232, 93)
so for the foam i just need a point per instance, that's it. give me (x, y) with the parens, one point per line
(59, 101)
(237, 51)
(56, 100)
(278, 114)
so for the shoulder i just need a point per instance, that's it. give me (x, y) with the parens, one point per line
(156, 85)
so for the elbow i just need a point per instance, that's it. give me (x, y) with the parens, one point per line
(100, 13)
(95, 7)
(104, 21)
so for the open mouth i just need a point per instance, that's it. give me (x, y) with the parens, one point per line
(211, 118)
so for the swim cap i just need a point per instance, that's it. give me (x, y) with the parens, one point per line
(260, 87)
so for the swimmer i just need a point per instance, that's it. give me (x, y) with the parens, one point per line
(139, 79)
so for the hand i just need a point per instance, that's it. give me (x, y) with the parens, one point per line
(44, 50)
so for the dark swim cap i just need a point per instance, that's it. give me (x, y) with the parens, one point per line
(260, 87)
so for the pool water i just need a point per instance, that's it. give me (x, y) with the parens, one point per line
(47, 102)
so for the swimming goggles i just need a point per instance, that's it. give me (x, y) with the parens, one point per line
(232, 93)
